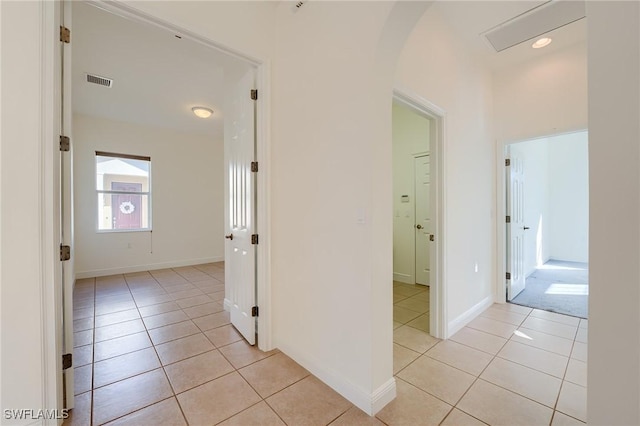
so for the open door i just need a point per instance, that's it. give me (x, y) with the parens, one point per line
(515, 227)
(240, 212)
(423, 214)
(66, 211)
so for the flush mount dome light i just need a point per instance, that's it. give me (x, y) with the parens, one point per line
(541, 42)
(202, 112)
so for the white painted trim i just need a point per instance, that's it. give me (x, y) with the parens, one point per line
(263, 149)
(500, 288)
(50, 268)
(227, 304)
(466, 317)
(367, 402)
(383, 395)
(263, 156)
(131, 13)
(437, 152)
(502, 153)
(147, 267)
(403, 278)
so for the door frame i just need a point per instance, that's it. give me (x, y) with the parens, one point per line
(439, 326)
(51, 295)
(502, 153)
(263, 143)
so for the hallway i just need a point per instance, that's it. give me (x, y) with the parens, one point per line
(157, 348)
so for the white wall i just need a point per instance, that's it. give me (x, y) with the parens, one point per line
(556, 198)
(541, 97)
(614, 164)
(323, 218)
(410, 137)
(28, 296)
(614, 223)
(569, 197)
(187, 198)
(537, 217)
(435, 65)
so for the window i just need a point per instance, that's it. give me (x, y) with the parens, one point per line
(124, 192)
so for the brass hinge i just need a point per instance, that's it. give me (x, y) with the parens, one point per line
(254, 311)
(508, 219)
(65, 143)
(254, 239)
(65, 253)
(254, 94)
(254, 166)
(508, 275)
(507, 162)
(67, 361)
(432, 237)
(65, 34)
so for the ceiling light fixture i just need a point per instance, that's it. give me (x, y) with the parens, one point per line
(541, 42)
(202, 112)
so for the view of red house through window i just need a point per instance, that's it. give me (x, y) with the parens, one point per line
(124, 192)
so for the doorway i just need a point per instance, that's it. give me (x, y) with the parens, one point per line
(196, 171)
(418, 295)
(547, 201)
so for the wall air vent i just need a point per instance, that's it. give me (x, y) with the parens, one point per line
(102, 81)
(536, 22)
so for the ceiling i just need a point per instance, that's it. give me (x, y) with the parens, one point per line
(470, 19)
(157, 77)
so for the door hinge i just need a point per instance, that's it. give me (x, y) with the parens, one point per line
(65, 34)
(65, 252)
(508, 219)
(67, 361)
(254, 311)
(65, 143)
(254, 239)
(432, 237)
(254, 166)
(507, 162)
(254, 94)
(508, 275)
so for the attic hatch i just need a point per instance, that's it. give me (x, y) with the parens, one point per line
(101, 81)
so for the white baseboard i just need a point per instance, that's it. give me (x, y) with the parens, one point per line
(148, 267)
(370, 403)
(383, 395)
(227, 304)
(468, 316)
(403, 278)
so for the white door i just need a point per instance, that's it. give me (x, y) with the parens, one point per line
(423, 223)
(66, 209)
(515, 227)
(240, 214)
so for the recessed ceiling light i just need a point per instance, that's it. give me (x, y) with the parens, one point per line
(541, 42)
(202, 112)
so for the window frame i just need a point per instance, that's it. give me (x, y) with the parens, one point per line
(103, 192)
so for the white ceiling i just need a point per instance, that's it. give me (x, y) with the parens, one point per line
(470, 19)
(157, 76)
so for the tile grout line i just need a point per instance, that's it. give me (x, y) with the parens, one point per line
(157, 356)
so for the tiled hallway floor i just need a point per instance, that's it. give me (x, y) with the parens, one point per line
(510, 366)
(156, 348)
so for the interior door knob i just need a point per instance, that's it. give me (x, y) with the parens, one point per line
(525, 228)
(419, 226)
(229, 237)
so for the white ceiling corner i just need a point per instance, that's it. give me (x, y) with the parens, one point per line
(157, 77)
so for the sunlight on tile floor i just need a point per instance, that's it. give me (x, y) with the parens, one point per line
(157, 348)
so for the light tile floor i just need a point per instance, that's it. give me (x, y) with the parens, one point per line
(156, 348)
(511, 365)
